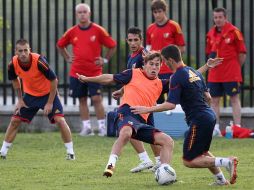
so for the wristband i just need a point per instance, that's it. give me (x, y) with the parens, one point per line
(105, 60)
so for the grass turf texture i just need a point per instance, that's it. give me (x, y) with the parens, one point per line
(37, 162)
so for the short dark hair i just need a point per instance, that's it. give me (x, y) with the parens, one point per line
(22, 41)
(134, 30)
(159, 4)
(151, 55)
(220, 9)
(173, 52)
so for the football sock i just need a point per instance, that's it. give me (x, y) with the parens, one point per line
(101, 123)
(221, 162)
(69, 147)
(5, 148)
(86, 124)
(143, 157)
(217, 126)
(157, 160)
(220, 177)
(112, 159)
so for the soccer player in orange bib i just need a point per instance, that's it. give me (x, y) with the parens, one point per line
(146, 87)
(40, 92)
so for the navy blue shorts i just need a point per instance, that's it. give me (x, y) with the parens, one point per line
(141, 130)
(220, 88)
(163, 97)
(199, 136)
(79, 89)
(34, 104)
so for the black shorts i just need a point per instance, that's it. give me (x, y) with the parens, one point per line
(79, 89)
(199, 136)
(221, 88)
(141, 130)
(34, 104)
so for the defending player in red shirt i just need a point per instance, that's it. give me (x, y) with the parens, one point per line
(161, 33)
(226, 41)
(86, 39)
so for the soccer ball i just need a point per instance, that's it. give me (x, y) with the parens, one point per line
(165, 175)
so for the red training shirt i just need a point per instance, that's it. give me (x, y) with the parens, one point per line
(227, 44)
(86, 47)
(160, 36)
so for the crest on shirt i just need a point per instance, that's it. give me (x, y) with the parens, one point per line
(93, 38)
(227, 40)
(152, 35)
(75, 39)
(166, 35)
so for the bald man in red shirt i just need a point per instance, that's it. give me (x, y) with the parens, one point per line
(86, 39)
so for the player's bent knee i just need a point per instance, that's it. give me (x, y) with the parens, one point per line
(164, 140)
(125, 132)
(15, 122)
(60, 121)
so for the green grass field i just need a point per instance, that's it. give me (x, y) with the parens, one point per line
(37, 162)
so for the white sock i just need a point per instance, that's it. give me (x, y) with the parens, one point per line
(69, 147)
(221, 162)
(101, 123)
(5, 148)
(86, 124)
(143, 157)
(112, 159)
(217, 126)
(220, 177)
(164, 164)
(157, 160)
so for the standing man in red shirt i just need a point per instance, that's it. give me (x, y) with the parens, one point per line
(162, 33)
(86, 39)
(226, 41)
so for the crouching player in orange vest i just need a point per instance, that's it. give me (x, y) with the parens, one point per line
(40, 92)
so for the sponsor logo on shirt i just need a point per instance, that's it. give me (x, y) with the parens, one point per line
(234, 90)
(193, 77)
(57, 111)
(130, 122)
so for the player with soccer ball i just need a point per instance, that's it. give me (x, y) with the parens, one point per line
(131, 125)
(187, 87)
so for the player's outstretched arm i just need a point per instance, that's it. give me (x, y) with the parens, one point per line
(101, 79)
(159, 108)
(211, 63)
(118, 94)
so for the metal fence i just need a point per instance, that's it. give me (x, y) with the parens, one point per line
(43, 22)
